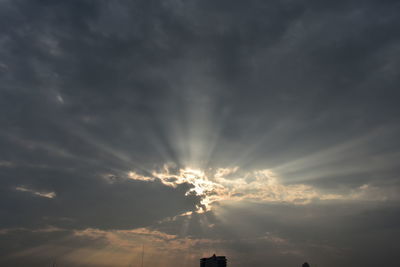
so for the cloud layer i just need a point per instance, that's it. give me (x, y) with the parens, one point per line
(259, 129)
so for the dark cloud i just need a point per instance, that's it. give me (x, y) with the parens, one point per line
(91, 90)
(43, 247)
(290, 233)
(83, 201)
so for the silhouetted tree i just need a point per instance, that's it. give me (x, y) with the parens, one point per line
(306, 264)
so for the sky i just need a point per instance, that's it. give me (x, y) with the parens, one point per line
(169, 130)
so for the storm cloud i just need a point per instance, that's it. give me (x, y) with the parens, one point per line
(256, 129)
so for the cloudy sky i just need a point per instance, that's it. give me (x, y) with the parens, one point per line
(264, 130)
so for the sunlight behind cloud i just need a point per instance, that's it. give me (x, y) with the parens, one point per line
(233, 184)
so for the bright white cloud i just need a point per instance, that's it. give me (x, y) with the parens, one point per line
(233, 184)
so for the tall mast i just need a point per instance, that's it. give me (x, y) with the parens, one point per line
(142, 254)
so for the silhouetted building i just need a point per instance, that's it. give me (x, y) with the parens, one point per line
(213, 261)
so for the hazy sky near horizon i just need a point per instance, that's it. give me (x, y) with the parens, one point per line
(265, 131)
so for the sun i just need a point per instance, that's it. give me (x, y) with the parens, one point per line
(231, 185)
(192, 173)
(202, 185)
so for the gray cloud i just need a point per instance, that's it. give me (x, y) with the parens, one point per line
(82, 201)
(91, 90)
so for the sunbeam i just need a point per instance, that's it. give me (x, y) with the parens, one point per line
(157, 133)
